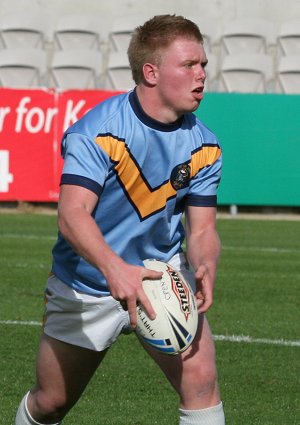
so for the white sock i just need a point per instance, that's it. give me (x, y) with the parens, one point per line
(210, 416)
(23, 416)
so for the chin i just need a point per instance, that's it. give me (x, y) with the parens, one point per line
(195, 106)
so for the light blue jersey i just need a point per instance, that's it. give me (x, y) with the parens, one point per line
(145, 173)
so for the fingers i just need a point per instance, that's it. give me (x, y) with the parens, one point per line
(205, 303)
(204, 291)
(199, 299)
(140, 298)
(151, 274)
(147, 306)
(143, 299)
(131, 306)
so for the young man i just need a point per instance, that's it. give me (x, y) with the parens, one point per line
(133, 165)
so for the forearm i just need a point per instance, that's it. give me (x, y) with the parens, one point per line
(204, 248)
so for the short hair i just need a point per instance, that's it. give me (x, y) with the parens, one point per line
(149, 39)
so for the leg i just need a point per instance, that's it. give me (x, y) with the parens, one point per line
(88, 325)
(63, 371)
(193, 373)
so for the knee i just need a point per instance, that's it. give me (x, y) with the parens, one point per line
(204, 378)
(199, 386)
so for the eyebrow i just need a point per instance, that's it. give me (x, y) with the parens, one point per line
(193, 61)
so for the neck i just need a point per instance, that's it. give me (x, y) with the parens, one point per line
(153, 106)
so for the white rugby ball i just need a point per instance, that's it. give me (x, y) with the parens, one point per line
(175, 325)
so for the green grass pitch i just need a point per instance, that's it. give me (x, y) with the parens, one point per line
(255, 320)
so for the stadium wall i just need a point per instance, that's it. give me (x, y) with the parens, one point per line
(260, 137)
(259, 134)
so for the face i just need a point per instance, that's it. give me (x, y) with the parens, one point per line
(180, 78)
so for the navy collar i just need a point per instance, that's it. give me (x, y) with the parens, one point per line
(147, 120)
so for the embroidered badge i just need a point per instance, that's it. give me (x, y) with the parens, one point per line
(180, 176)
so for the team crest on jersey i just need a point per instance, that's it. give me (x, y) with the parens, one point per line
(180, 176)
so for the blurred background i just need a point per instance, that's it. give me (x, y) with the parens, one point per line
(252, 97)
(62, 32)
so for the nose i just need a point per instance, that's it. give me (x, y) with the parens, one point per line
(200, 73)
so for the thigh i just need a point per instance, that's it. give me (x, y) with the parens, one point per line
(63, 371)
(192, 373)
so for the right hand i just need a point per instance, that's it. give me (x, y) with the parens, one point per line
(125, 285)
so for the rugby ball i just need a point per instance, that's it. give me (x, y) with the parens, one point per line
(175, 325)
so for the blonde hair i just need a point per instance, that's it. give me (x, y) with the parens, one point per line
(149, 39)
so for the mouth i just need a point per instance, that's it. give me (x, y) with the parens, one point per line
(198, 92)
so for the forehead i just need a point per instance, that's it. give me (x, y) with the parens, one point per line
(183, 49)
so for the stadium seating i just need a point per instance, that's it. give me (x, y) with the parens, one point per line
(288, 75)
(22, 30)
(118, 73)
(247, 36)
(210, 30)
(77, 31)
(76, 68)
(121, 31)
(246, 73)
(109, 68)
(22, 67)
(289, 37)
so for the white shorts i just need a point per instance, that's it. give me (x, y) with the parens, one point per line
(88, 321)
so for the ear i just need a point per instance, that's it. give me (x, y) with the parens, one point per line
(150, 73)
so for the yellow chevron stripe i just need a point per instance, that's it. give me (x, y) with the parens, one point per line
(147, 201)
(204, 157)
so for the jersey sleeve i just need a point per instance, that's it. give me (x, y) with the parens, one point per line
(85, 163)
(206, 167)
(204, 185)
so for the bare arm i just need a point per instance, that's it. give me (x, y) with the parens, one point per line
(203, 251)
(77, 225)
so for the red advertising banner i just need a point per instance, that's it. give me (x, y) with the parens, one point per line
(32, 123)
(26, 144)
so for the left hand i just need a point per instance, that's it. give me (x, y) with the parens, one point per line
(204, 289)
